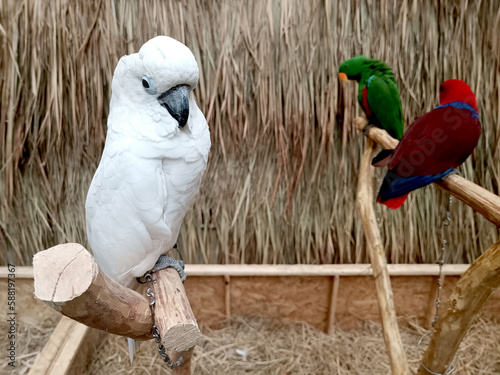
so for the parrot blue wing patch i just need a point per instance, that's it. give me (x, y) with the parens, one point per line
(461, 105)
(394, 186)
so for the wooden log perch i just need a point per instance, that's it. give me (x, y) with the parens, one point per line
(68, 279)
(475, 196)
(174, 318)
(465, 302)
(392, 338)
(475, 285)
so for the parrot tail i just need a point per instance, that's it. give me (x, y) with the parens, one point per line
(394, 203)
(395, 189)
(131, 348)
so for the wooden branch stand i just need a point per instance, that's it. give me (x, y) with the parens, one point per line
(465, 302)
(475, 285)
(392, 338)
(68, 279)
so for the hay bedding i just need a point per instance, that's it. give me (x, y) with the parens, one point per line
(275, 348)
(31, 336)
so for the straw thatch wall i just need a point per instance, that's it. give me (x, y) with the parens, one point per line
(282, 175)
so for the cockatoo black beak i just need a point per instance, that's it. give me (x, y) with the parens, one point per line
(176, 101)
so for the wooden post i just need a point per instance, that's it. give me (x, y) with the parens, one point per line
(465, 302)
(333, 304)
(393, 342)
(185, 368)
(227, 295)
(68, 279)
(173, 315)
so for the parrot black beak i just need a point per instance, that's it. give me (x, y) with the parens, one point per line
(176, 101)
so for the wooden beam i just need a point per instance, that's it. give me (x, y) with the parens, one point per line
(475, 196)
(219, 270)
(21, 272)
(320, 270)
(392, 338)
(65, 352)
(465, 302)
(63, 332)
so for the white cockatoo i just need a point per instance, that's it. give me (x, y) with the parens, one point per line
(155, 154)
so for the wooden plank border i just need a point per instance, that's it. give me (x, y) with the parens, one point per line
(296, 270)
(69, 349)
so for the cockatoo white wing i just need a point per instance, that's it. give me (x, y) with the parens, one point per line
(125, 222)
(136, 204)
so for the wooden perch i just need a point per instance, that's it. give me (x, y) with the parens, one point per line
(393, 343)
(174, 318)
(68, 279)
(475, 285)
(475, 196)
(465, 302)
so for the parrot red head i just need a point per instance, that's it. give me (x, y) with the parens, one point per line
(455, 90)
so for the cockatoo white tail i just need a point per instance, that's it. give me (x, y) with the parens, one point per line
(155, 154)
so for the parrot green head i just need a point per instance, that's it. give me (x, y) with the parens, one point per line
(352, 68)
(356, 67)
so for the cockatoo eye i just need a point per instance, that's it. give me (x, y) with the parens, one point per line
(149, 85)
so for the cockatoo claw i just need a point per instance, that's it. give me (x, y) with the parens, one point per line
(165, 261)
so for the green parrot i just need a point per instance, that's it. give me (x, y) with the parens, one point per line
(378, 93)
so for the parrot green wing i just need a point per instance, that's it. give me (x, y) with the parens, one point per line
(382, 96)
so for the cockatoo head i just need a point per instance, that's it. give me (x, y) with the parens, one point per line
(153, 89)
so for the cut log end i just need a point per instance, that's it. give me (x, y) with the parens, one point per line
(68, 279)
(63, 283)
(182, 337)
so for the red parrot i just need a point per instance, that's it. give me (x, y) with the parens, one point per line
(433, 145)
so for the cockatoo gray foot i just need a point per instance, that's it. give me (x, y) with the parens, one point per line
(165, 261)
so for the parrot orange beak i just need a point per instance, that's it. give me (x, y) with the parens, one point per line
(343, 77)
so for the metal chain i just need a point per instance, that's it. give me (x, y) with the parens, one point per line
(447, 372)
(378, 214)
(444, 231)
(156, 333)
